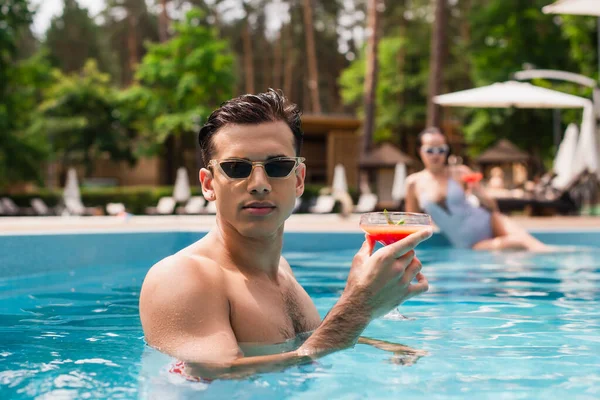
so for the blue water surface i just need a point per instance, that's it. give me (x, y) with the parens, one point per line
(493, 325)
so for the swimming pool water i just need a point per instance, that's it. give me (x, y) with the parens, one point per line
(494, 325)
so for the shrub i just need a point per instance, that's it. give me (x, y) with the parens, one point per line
(135, 198)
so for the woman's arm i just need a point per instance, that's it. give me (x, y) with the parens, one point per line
(476, 189)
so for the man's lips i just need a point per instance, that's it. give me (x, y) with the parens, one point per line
(259, 208)
(259, 205)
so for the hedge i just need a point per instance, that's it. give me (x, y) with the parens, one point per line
(135, 198)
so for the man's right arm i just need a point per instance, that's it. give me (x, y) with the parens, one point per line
(185, 312)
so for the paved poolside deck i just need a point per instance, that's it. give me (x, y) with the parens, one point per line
(297, 222)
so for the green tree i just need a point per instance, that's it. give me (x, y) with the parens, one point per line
(401, 94)
(127, 25)
(21, 151)
(178, 84)
(81, 118)
(506, 37)
(73, 38)
(14, 16)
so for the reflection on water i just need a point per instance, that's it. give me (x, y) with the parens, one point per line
(510, 325)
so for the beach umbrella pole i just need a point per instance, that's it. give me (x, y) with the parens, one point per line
(598, 44)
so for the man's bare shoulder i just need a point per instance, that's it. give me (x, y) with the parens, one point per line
(182, 268)
(285, 266)
(178, 293)
(179, 280)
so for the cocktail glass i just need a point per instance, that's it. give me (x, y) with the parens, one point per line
(390, 227)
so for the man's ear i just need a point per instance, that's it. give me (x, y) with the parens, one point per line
(300, 176)
(206, 179)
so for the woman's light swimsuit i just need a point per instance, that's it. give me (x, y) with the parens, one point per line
(463, 224)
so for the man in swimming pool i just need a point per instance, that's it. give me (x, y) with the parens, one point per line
(206, 303)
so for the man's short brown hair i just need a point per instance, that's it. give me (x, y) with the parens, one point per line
(251, 109)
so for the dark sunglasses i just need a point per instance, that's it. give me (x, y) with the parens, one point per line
(238, 168)
(436, 149)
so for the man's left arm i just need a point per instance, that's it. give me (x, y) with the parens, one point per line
(402, 354)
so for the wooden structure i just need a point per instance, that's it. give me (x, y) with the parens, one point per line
(328, 141)
(509, 158)
(379, 164)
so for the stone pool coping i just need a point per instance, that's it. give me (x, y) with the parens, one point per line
(296, 223)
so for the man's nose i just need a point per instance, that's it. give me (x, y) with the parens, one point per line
(258, 181)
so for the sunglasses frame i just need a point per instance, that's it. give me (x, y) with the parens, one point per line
(214, 162)
(429, 149)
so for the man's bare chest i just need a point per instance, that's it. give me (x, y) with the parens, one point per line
(267, 314)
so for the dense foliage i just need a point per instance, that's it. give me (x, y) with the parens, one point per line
(151, 84)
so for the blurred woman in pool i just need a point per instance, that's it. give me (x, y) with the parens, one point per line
(439, 191)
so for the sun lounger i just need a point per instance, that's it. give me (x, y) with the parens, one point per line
(194, 206)
(367, 202)
(115, 208)
(40, 208)
(211, 207)
(324, 204)
(547, 200)
(9, 207)
(165, 206)
(74, 206)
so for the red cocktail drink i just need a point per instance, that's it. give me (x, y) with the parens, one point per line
(390, 227)
(472, 177)
(388, 234)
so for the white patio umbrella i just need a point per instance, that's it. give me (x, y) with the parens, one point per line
(510, 94)
(182, 192)
(71, 190)
(565, 157)
(398, 190)
(575, 7)
(72, 195)
(588, 152)
(525, 95)
(339, 179)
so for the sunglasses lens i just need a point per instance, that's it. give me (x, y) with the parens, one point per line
(436, 150)
(279, 168)
(236, 169)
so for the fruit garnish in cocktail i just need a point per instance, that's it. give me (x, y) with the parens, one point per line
(389, 227)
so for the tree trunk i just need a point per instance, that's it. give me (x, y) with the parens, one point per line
(311, 57)
(132, 46)
(288, 74)
(248, 57)
(436, 61)
(370, 87)
(163, 22)
(465, 34)
(277, 62)
(170, 162)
